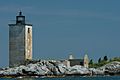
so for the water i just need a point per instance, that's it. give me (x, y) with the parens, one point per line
(69, 78)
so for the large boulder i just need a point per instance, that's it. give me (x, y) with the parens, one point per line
(80, 70)
(111, 68)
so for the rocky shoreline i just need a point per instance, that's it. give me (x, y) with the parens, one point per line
(46, 68)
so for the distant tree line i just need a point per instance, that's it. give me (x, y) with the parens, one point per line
(102, 62)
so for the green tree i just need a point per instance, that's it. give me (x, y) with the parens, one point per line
(99, 60)
(91, 62)
(105, 58)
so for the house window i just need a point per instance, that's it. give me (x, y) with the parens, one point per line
(28, 30)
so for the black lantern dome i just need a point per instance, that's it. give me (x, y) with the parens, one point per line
(20, 19)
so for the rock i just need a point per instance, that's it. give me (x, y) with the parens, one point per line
(78, 70)
(111, 68)
(96, 71)
(45, 67)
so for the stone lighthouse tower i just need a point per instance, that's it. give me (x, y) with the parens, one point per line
(20, 41)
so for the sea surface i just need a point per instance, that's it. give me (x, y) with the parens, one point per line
(68, 78)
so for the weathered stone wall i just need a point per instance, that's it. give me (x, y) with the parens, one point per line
(74, 62)
(16, 45)
(20, 44)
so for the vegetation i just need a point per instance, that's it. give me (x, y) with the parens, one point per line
(115, 59)
(99, 60)
(91, 61)
(102, 62)
(105, 58)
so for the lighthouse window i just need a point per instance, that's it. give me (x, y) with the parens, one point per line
(28, 30)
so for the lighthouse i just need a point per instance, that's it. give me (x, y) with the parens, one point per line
(20, 41)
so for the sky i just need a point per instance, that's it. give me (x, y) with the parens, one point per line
(63, 27)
